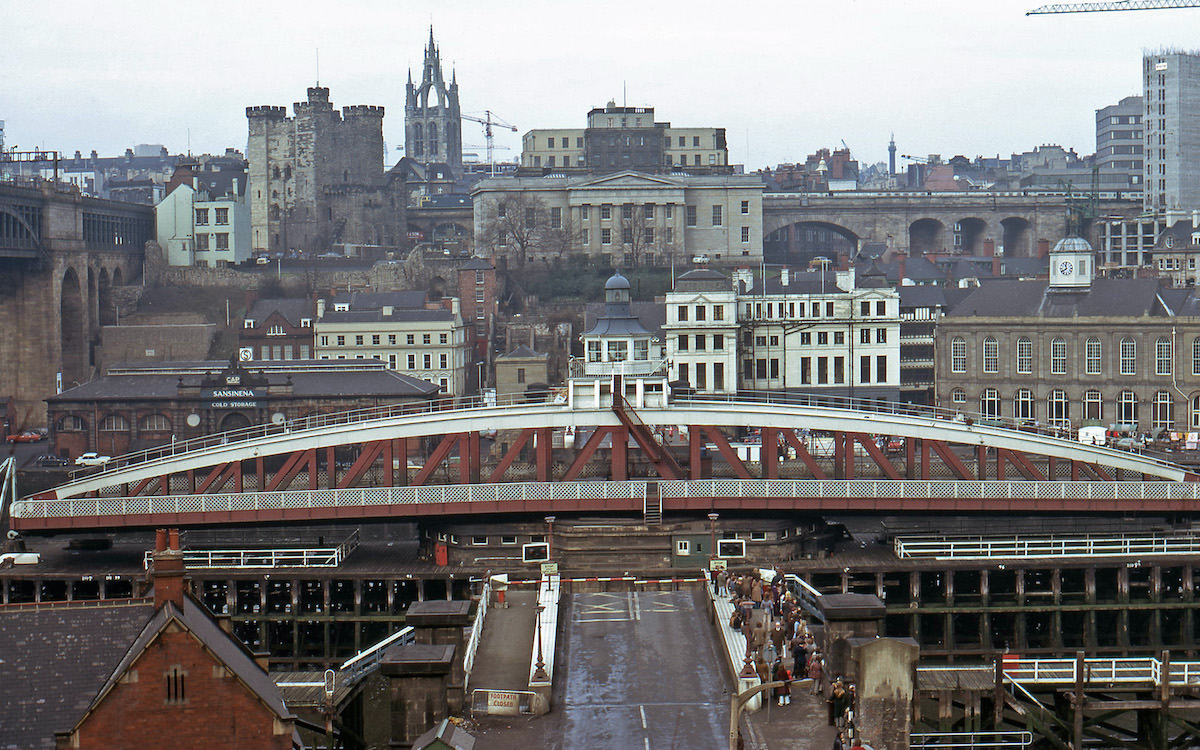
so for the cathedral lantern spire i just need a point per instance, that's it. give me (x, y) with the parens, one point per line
(432, 117)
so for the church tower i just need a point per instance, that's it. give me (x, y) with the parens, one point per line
(432, 118)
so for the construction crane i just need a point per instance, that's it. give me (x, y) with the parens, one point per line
(488, 121)
(1113, 5)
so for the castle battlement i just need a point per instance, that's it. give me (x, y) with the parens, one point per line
(267, 111)
(362, 110)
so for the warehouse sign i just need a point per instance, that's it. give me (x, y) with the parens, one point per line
(235, 398)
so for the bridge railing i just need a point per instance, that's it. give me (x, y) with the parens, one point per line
(305, 424)
(465, 404)
(365, 660)
(498, 495)
(1012, 547)
(1061, 432)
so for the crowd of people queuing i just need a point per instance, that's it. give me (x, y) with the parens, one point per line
(782, 648)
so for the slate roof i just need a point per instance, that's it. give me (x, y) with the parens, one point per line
(476, 264)
(55, 659)
(292, 310)
(522, 351)
(1105, 297)
(800, 282)
(164, 385)
(646, 318)
(399, 315)
(928, 295)
(224, 647)
(445, 734)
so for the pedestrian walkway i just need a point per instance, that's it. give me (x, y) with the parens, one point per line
(803, 723)
(502, 661)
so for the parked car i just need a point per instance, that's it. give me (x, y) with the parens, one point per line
(48, 461)
(92, 458)
(26, 436)
(895, 445)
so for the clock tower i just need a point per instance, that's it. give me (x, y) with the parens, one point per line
(1071, 264)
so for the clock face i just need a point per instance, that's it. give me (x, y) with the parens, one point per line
(1065, 268)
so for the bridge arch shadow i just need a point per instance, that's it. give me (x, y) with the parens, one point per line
(926, 236)
(798, 244)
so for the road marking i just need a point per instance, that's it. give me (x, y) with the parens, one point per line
(637, 606)
(647, 742)
(642, 710)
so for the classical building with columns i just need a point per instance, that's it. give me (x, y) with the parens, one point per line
(631, 218)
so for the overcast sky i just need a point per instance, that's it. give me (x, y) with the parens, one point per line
(972, 77)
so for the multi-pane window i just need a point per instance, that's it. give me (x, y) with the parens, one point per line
(958, 396)
(717, 215)
(958, 354)
(1092, 405)
(1127, 408)
(690, 216)
(1023, 404)
(155, 423)
(1164, 411)
(989, 403)
(1162, 356)
(1194, 419)
(593, 354)
(1058, 408)
(114, 423)
(1128, 356)
(1196, 356)
(991, 355)
(1024, 355)
(1058, 356)
(1092, 353)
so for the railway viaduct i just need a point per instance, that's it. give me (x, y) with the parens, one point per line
(61, 256)
(931, 222)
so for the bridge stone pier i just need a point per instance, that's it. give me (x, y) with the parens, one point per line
(61, 255)
(930, 222)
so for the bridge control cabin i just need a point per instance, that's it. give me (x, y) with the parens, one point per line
(621, 356)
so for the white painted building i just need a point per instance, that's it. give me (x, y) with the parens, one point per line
(807, 332)
(198, 227)
(426, 340)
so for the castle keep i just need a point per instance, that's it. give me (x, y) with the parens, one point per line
(317, 179)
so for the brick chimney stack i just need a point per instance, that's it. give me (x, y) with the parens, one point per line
(167, 569)
(901, 267)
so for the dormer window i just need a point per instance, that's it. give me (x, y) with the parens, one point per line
(276, 330)
(306, 322)
(249, 323)
(341, 307)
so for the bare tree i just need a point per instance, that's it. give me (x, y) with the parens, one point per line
(645, 242)
(518, 228)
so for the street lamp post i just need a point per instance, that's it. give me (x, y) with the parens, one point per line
(539, 672)
(712, 535)
(712, 549)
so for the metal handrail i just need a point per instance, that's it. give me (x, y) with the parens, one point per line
(367, 659)
(476, 631)
(976, 420)
(980, 492)
(979, 740)
(992, 548)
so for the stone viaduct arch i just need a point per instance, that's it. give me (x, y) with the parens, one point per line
(932, 222)
(62, 258)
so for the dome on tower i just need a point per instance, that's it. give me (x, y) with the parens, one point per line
(1073, 245)
(617, 281)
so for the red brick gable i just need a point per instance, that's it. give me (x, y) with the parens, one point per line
(175, 694)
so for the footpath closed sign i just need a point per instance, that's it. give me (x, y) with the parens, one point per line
(503, 703)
